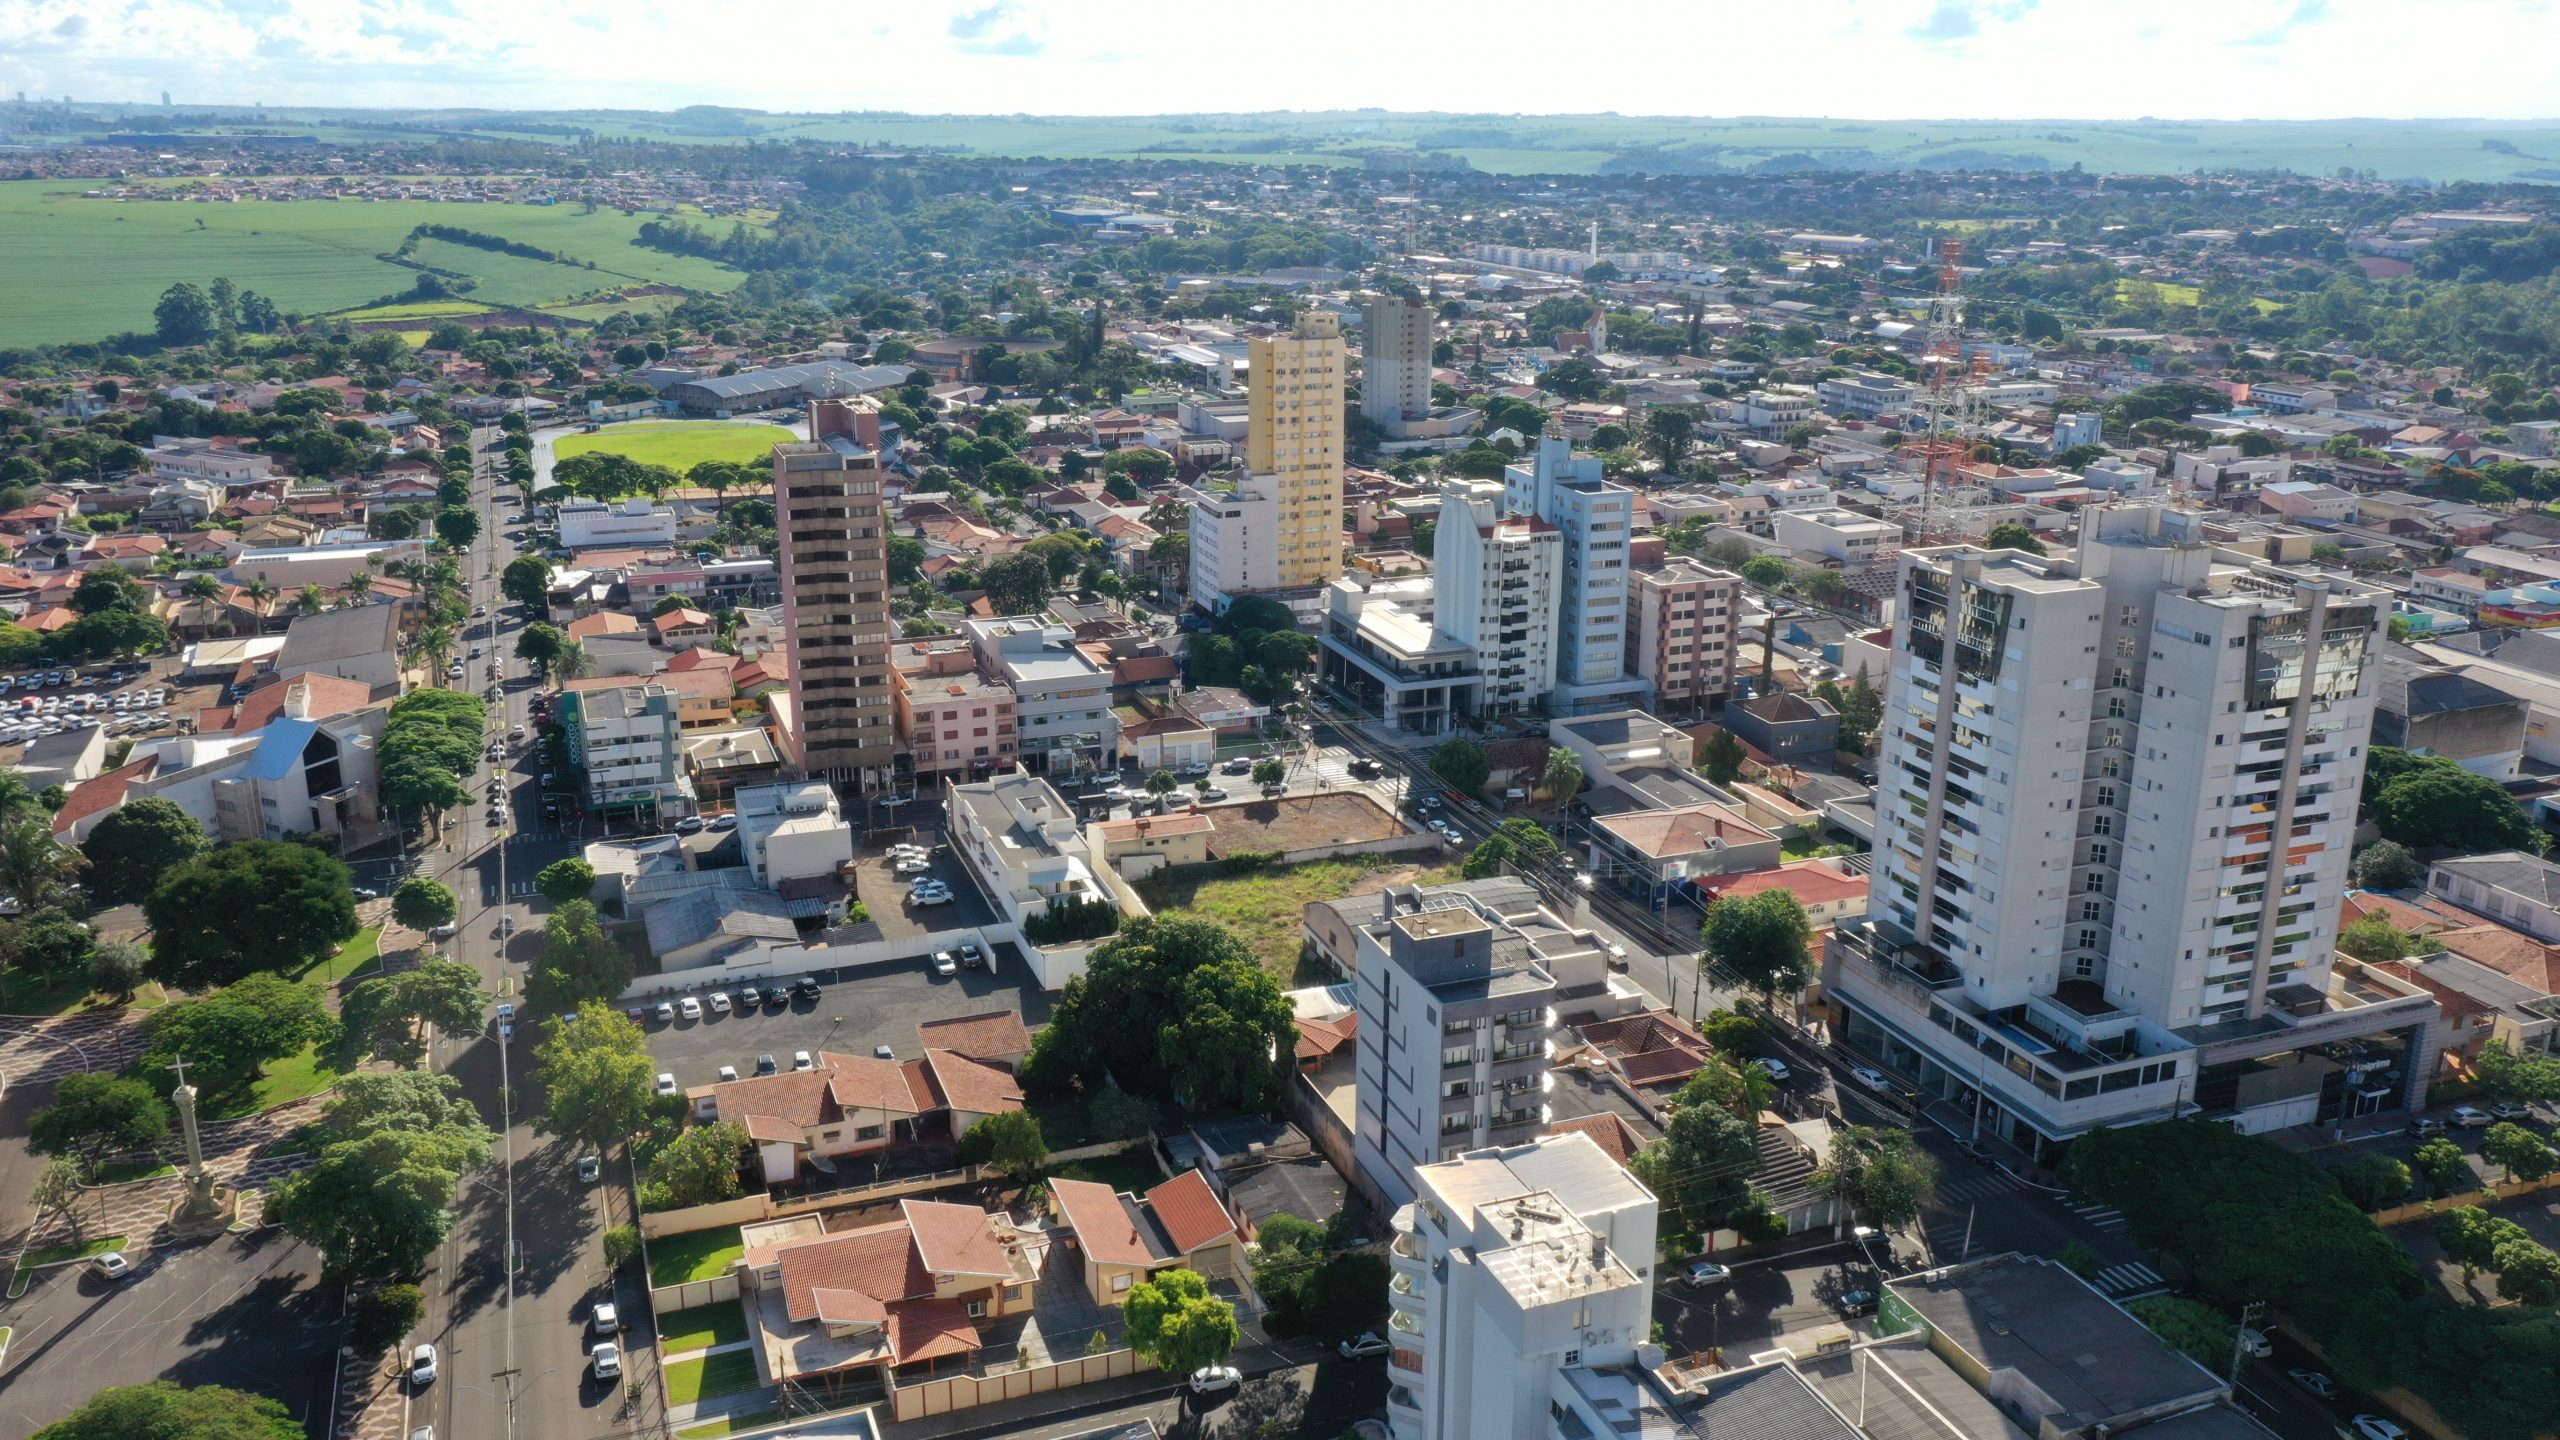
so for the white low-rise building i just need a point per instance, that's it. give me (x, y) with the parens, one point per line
(1856, 541)
(635, 523)
(792, 831)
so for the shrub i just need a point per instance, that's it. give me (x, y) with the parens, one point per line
(384, 1315)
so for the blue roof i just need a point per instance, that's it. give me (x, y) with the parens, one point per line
(280, 747)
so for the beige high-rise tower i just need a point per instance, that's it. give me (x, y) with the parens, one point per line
(1295, 437)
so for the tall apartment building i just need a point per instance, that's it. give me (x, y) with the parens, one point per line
(1281, 529)
(1395, 360)
(1681, 630)
(2118, 792)
(1457, 1013)
(1062, 717)
(835, 593)
(1494, 579)
(627, 740)
(1567, 491)
(1519, 1275)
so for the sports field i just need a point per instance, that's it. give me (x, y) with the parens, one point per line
(73, 268)
(681, 444)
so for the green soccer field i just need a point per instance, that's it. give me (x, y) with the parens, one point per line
(73, 268)
(682, 444)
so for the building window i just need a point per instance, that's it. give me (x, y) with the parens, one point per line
(1120, 1283)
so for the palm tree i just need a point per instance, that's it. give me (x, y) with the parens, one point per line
(360, 584)
(32, 862)
(436, 643)
(572, 663)
(260, 591)
(312, 600)
(203, 587)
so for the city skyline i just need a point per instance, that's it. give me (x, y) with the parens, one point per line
(2025, 59)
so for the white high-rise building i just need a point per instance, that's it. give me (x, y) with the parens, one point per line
(1597, 518)
(1494, 579)
(2118, 792)
(1514, 1270)
(1395, 360)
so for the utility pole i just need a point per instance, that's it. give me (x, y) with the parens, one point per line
(2240, 1336)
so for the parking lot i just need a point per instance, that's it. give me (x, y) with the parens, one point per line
(866, 1008)
(899, 918)
(130, 702)
(246, 1311)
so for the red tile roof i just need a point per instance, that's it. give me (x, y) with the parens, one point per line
(1609, 1132)
(1815, 882)
(1190, 1212)
(1320, 1038)
(100, 792)
(995, 1035)
(955, 1239)
(1103, 1226)
(951, 1081)
(603, 622)
(930, 1329)
(330, 695)
(878, 1260)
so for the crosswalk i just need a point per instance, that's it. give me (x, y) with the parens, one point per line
(2132, 1280)
(1978, 1187)
(2100, 1216)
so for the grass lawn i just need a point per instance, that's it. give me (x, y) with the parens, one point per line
(710, 1377)
(72, 1250)
(681, 444)
(31, 992)
(125, 1172)
(1264, 909)
(1132, 1169)
(710, 1430)
(353, 958)
(702, 1327)
(695, 1255)
(1801, 847)
(286, 1080)
(416, 310)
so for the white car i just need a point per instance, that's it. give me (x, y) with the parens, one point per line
(727, 1074)
(1217, 1379)
(2468, 1117)
(1875, 1080)
(800, 1061)
(931, 895)
(422, 1366)
(945, 964)
(112, 1266)
(720, 1001)
(666, 1082)
(1361, 1346)
(1776, 1067)
(607, 1359)
(606, 1321)
(689, 1008)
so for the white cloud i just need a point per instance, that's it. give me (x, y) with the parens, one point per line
(1874, 59)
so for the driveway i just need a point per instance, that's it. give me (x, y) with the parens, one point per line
(881, 1005)
(245, 1311)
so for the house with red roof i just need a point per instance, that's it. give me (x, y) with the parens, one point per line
(855, 1105)
(1121, 1239)
(682, 627)
(1829, 894)
(886, 1303)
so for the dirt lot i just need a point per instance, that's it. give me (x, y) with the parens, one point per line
(1263, 909)
(1301, 822)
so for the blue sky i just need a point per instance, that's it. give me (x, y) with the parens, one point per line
(1921, 59)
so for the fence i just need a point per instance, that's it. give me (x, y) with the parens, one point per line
(961, 1392)
(2430, 1209)
(685, 1294)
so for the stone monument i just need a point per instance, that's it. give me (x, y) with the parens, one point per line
(205, 1207)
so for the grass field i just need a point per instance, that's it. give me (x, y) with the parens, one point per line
(1131, 1170)
(710, 1377)
(353, 958)
(702, 1327)
(287, 1080)
(695, 1255)
(417, 310)
(1264, 909)
(79, 269)
(596, 312)
(681, 444)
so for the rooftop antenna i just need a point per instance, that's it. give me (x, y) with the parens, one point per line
(1942, 451)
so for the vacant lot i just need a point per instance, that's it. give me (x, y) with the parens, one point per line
(80, 269)
(695, 1255)
(681, 444)
(1263, 908)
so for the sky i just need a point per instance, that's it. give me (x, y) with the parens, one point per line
(1883, 59)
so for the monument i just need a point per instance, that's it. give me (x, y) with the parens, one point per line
(206, 1207)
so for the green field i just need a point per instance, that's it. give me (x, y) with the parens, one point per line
(79, 269)
(703, 1326)
(710, 1377)
(681, 444)
(416, 310)
(694, 1255)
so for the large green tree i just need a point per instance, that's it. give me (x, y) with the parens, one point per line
(699, 1168)
(595, 1073)
(423, 904)
(1883, 1176)
(1017, 584)
(32, 863)
(2521, 1075)
(1701, 1167)
(1010, 1141)
(1763, 940)
(388, 1016)
(96, 1115)
(1462, 766)
(227, 1037)
(2430, 802)
(526, 581)
(164, 1410)
(252, 906)
(1173, 1320)
(1231, 1021)
(136, 844)
(1119, 1019)
(393, 1150)
(579, 963)
(563, 881)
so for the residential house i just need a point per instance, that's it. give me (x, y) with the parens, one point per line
(853, 1105)
(1123, 1239)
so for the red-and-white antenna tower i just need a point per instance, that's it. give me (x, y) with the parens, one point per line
(1942, 448)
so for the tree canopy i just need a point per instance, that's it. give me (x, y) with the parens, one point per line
(1170, 1003)
(96, 1115)
(164, 1410)
(393, 1149)
(595, 1072)
(136, 844)
(387, 1016)
(1462, 766)
(227, 1037)
(247, 907)
(1174, 1320)
(579, 962)
(2430, 802)
(1764, 940)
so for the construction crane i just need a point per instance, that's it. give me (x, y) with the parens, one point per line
(1942, 450)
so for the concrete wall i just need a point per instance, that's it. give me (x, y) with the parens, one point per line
(663, 1298)
(960, 1392)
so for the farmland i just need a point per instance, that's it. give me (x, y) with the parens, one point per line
(681, 444)
(81, 269)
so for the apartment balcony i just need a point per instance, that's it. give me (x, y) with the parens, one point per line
(1400, 1398)
(1405, 1285)
(1405, 1323)
(1404, 1364)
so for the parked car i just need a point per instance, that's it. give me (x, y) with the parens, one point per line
(720, 1002)
(1362, 1346)
(724, 822)
(690, 825)
(605, 1321)
(1857, 1302)
(2255, 1344)
(1875, 1080)
(112, 1266)
(666, 1082)
(2374, 1427)
(665, 1012)
(765, 1065)
(2468, 1117)
(2509, 1110)
(805, 987)
(445, 931)
(971, 957)
(945, 963)
(1703, 1273)
(590, 1169)
(728, 1073)
(689, 1008)
(1218, 1379)
(422, 1366)
(1776, 1067)
(883, 1052)
(931, 897)
(800, 1061)
(606, 1357)
(2425, 1125)
(2313, 1381)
